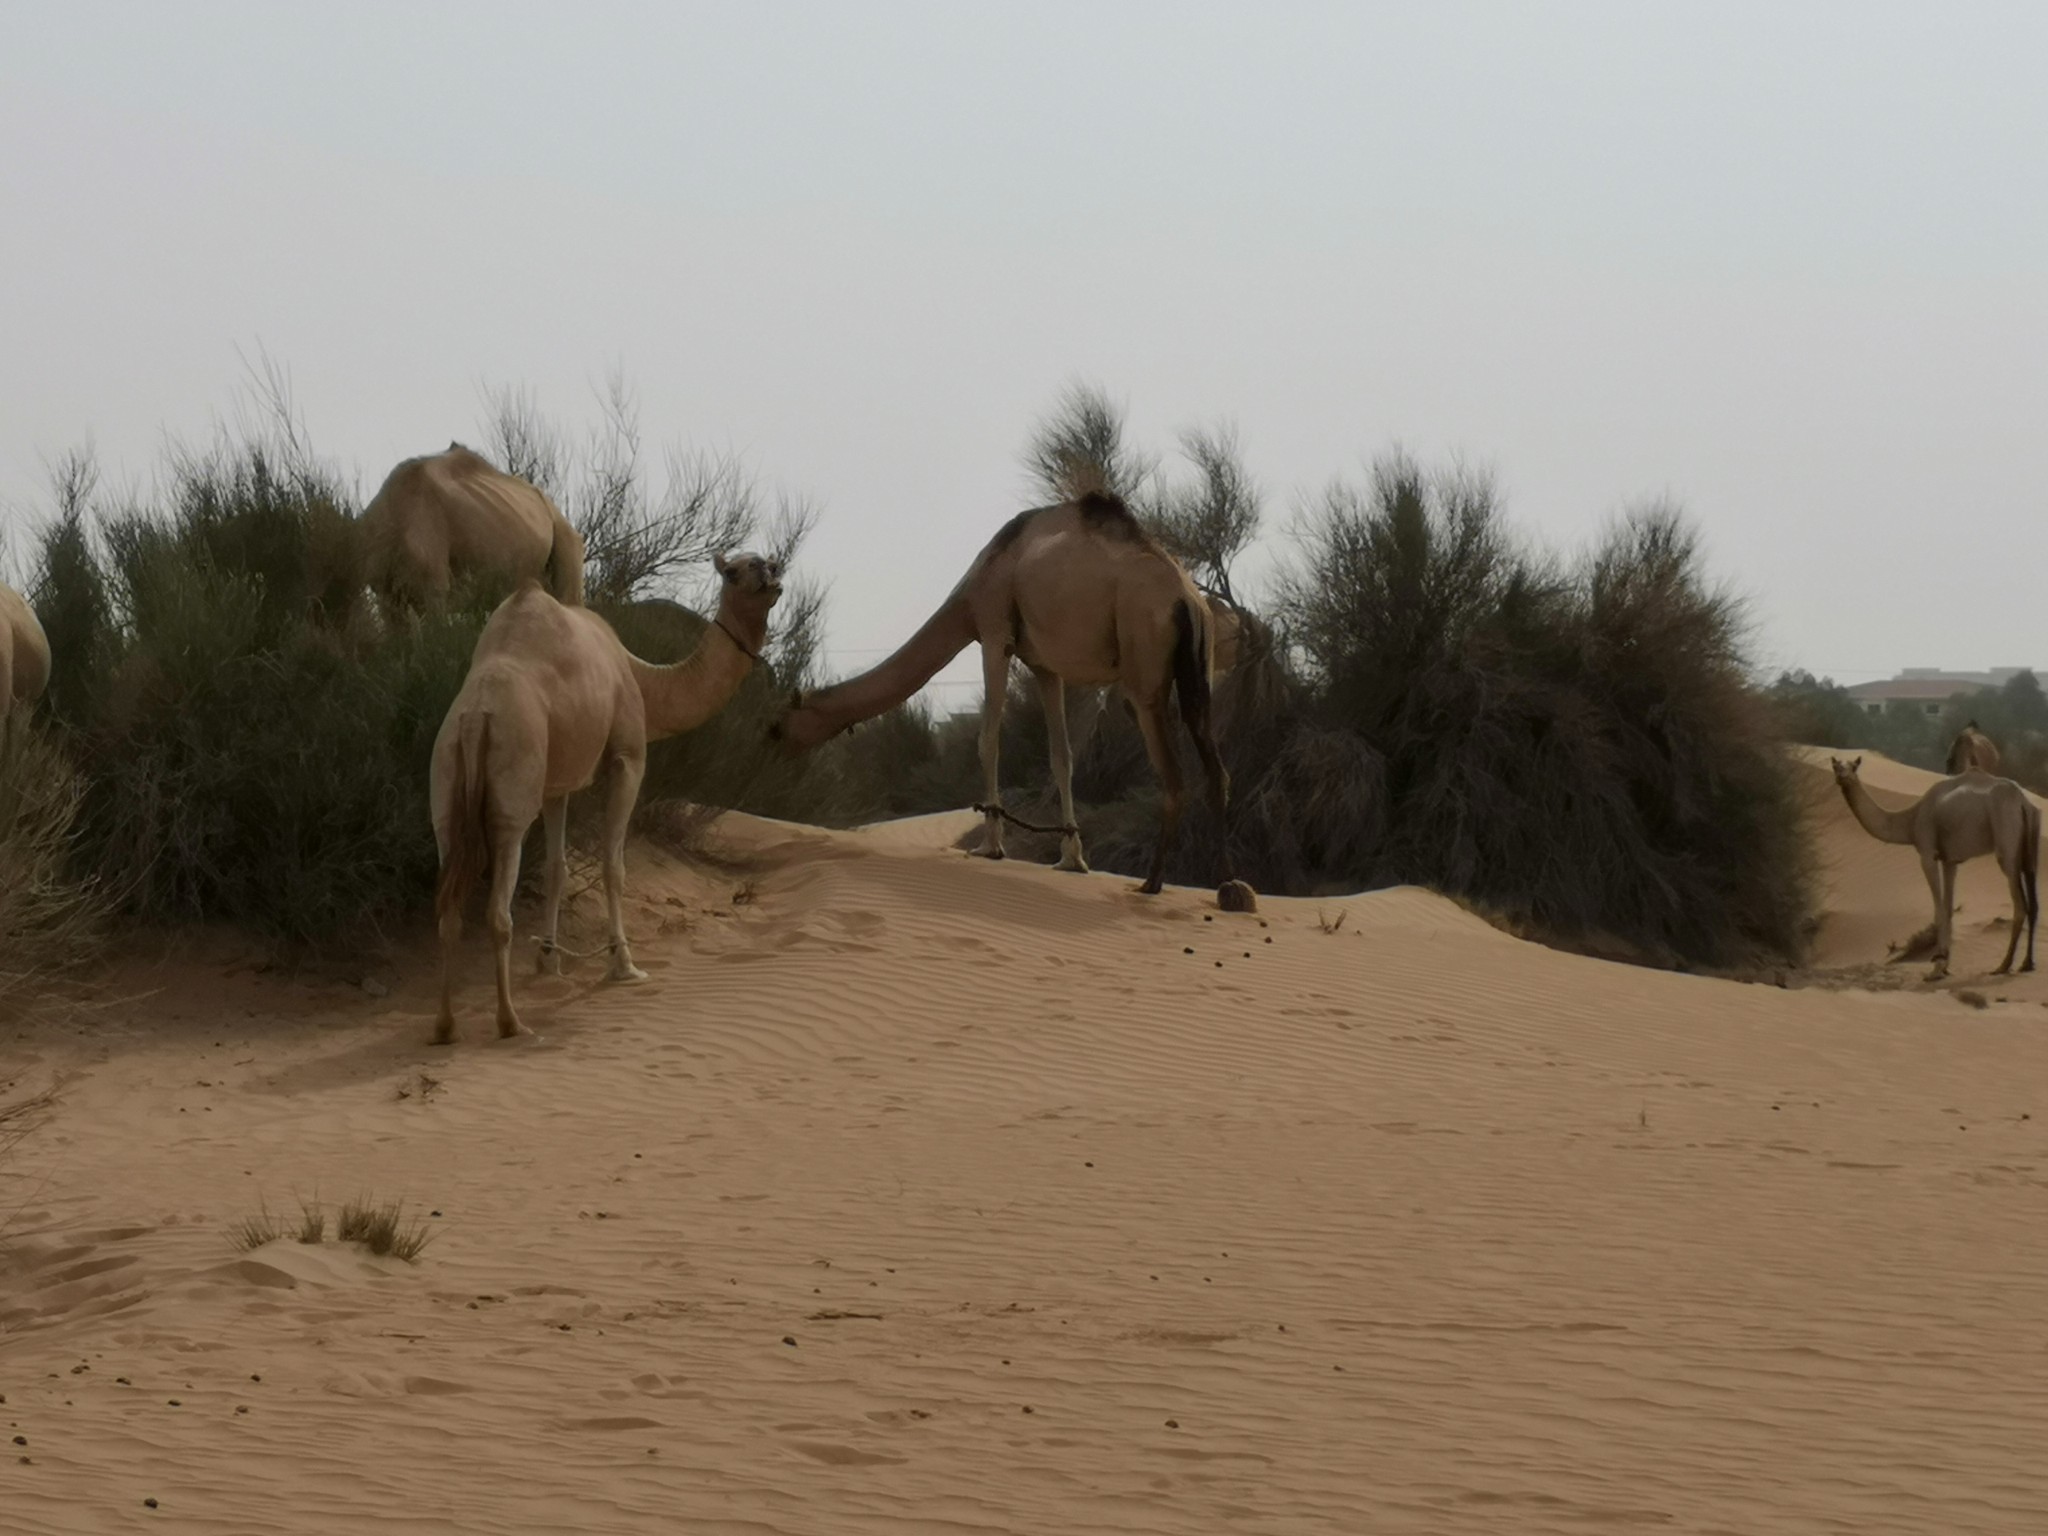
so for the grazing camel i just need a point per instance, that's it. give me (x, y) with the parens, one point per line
(1973, 749)
(1955, 821)
(24, 655)
(551, 699)
(446, 513)
(1079, 593)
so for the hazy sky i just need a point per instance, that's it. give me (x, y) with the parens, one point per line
(1787, 263)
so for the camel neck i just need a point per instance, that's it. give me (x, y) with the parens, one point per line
(882, 687)
(682, 697)
(1886, 826)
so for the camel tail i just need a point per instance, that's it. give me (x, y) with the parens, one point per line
(1191, 664)
(565, 564)
(469, 845)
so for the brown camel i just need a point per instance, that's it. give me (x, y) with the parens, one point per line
(551, 699)
(1081, 594)
(1973, 749)
(446, 513)
(1955, 821)
(24, 655)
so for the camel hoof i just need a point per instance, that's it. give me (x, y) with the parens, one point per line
(443, 1036)
(1073, 866)
(625, 975)
(990, 853)
(513, 1030)
(1236, 896)
(1151, 887)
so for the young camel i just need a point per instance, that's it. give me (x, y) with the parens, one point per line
(551, 699)
(24, 656)
(1972, 749)
(1079, 593)
(1954, 822)
(447, 513)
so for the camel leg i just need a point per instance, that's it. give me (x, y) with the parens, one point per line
(995, 677)
(2016, 885)
(1052, 694)
(504, 881)
(1941, 877)
(618, 811)
(1204, 732)
(555, 820)
(1166, 763)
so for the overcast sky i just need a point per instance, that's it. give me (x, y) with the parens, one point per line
(1786, 263)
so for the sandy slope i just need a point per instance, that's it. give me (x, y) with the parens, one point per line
(915, 1194)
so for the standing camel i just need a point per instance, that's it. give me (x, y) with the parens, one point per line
(1956, 821)
(551, 699)
(1972, 749)
(1081, 594)
(438, 516)
(24, 655)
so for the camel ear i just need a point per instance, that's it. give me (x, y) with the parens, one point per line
(1856, 764)
(718, 564)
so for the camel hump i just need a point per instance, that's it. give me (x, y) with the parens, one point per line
(1106, 512)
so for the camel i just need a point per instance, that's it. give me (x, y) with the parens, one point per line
(1955, 821)
(1973, 749)
(445, 513)
(552, 698)
(24, 655)
(1081, 594)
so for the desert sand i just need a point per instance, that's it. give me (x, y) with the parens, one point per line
(919, 1194)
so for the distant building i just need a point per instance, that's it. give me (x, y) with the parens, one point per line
(1928, 687)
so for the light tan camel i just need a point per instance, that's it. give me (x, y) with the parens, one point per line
(446, 513)
(1973, 749)
(1956, 821)
(24, 655)
(1081, 594)
(552, 698)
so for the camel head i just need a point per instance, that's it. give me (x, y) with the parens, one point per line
(748, 584)
(1845, 773)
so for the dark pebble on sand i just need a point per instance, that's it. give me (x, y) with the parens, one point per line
(21, 1439)
(149, 1503)
(1219, 965)
(789, 1341)
(1173, 1423)
(255, 1378)
(1189, 950)
(1208, 917)
(1269, 938)
(1087, 1165)
(1027, 1408)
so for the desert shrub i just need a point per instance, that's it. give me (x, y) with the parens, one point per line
(254, 737)
(51, 915)
(1573, 745)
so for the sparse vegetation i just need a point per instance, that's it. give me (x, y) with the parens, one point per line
(383, 1229)
(1422, 696)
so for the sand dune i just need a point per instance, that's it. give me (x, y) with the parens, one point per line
(917, 1194)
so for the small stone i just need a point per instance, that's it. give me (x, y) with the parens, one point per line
(21, 1439)
(255, 1378)
(790, 1341)
(1027, 1408)
(1087, 1165)
(174, 1402)
(1173, 1423)
(1189, 950)
(149, 1503)
(243, 1409)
